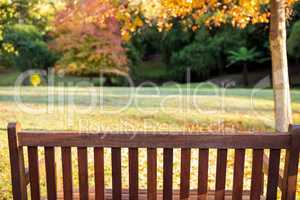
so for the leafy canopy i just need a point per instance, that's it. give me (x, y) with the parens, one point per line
(88, 37)
(293, 45)
(195, 13)
(244, 55)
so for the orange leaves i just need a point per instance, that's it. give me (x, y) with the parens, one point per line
(239, 13)
(88, 36)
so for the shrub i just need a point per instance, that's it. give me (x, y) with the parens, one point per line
(90, 43)
(293, 45)
(31, 51)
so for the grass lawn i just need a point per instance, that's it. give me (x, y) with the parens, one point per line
(120, 108)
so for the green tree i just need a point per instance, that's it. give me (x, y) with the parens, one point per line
(30, 50)
(293, 45)
(245, 56)
(89, 47)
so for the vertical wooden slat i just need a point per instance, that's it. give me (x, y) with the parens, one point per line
(168, 174)
(34, 177)
(16, 163)
(99, 173)
(151, 173)
(238, 176)
(133, 174)
(66, 157)
(185, 173)
(292, 164)
(116, 173)
(221, 174)
(203, 174)
(285, 174)
(273, 175)
(256, 179)
(83, 173)
(50, 173)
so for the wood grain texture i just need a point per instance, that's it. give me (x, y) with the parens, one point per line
(156, 140)
(16, 163)
(221, 174)
(151, 174)
(203, 174)
(99, 173)
(66, 157)
(151, 141)
(34, 176)
(50, 173)
(83, 173)
(273, 174)
(116, 173)
(176, 193)
(133, 173)
(292, 164)
(185, 169)
(238, 175)
(168, 174)
(257, 174)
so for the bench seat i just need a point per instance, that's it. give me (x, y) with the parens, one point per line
(92, 147)
(143, 195)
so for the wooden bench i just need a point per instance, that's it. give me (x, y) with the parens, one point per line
(33, 140)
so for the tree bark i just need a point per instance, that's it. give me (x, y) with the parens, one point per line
(282, 98)
(245, 75)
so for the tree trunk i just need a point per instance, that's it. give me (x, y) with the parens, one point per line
(245, 75)
(282, 98)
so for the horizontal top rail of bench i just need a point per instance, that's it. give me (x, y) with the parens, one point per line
(261, 140)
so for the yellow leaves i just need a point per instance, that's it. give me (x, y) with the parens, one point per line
(1, 34)
(9, 48)
(35, 79)
(138, 22)
(72, 67)
(239, 13)
(125, 36)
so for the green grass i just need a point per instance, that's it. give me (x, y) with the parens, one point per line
(208, 110)
(8, 78)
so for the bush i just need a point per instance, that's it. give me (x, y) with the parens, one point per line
(31, 51)
(207, 52)
(293, 45)
(89, 47)
(197, 57)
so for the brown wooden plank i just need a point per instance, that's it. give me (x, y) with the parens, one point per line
(99, 173)
(203, 174)
(176, 193)
(16, 163)
(284, 184)
(238, 176)
(66, 156)
(281, 183)
(185, 173)
(221, 174)
(157, 140)
(116, 173)
(133, 174)
(151, 174)
(257, 175)
(50, 173)
(83, 173)
(292, 165)
(274, 161)
(34, 176)
(168, 174)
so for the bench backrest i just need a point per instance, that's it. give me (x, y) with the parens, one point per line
(152, 141)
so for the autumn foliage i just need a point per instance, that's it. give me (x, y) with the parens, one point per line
(211, 13)
(88, 36)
